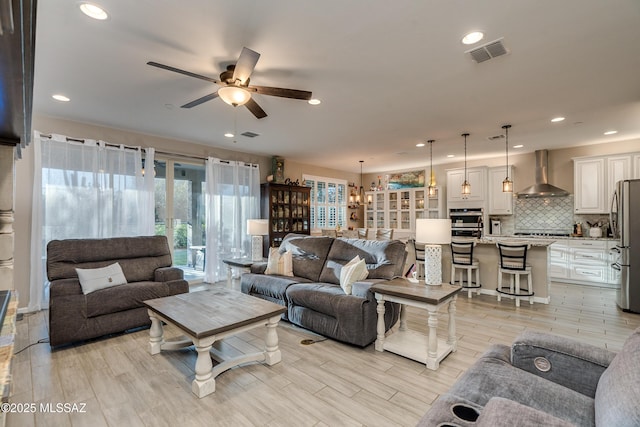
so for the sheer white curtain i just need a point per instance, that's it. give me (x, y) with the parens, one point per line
(87, 189)
(233, 196)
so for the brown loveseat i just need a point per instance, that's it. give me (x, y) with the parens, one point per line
(146, 264)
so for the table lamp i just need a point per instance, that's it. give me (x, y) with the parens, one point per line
(257, 228)
(433, 233)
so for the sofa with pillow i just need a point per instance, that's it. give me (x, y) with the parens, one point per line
(324, 283)
(545, 380)
(98, 285)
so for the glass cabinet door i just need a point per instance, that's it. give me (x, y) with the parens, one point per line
(393, 219)
(380, 201)
(380, 220)
(369, 211)
(393, 201)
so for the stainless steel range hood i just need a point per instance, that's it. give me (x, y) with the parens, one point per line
(542, 188)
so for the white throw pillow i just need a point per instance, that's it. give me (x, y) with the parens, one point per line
(353, 271)
(278, 263)
(93, 279)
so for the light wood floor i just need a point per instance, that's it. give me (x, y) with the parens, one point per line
(323, 384)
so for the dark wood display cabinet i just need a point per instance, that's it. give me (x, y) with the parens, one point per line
(288, 208)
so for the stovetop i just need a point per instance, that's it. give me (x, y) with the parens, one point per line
(542, 235)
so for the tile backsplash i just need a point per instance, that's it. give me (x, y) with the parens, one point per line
(544, 214)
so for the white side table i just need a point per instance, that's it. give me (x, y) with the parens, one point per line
(424, 348)
(241, 263)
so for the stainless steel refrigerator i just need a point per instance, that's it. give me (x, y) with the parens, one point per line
(625, 225)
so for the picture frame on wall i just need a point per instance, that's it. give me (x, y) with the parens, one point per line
(409, 179)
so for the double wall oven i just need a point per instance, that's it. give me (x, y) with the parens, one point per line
(466, 222)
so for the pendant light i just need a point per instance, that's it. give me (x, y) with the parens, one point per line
(431, 190)
(360, 195)
(507, 184)
(466, 187)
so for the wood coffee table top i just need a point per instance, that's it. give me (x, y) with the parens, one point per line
(213, 311)
(429, 294)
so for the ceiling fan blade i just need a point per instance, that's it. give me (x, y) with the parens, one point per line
(179, 71)
(245, 65)
(200, 100)
(283, 93)
(255, 109)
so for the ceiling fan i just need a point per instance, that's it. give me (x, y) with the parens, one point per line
(235, 88)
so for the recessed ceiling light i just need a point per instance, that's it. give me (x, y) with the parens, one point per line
(314, 101)
(450, 155)
(420, 144)
(228, 135)
(61, 98)
(93, 11)
(557, 119)
(611, 132)
(473, 37)
(518, 146)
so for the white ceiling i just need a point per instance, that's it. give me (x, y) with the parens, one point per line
(390, 74)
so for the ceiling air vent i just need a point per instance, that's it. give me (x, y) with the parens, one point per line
(249, 134)
(488, 51)
(495, 137)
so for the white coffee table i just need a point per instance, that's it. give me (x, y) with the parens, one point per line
(209, 316)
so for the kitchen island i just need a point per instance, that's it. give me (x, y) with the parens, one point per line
(486, 252)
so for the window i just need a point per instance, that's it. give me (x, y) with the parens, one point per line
(328, 201)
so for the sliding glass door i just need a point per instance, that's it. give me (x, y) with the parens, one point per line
(180, 213)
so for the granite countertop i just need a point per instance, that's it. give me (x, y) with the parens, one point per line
(536, 240)
(515, 240)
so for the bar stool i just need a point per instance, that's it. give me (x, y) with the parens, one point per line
(462, 259)
(513, 261)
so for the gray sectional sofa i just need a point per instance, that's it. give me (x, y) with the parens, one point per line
(146, 264)
(313, 296)
(545, 380)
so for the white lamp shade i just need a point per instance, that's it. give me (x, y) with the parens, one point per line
(234, 95)
(257, 227)
(433, 231)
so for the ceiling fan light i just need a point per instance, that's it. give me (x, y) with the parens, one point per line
(234, 95)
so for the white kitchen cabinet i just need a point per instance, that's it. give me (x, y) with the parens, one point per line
(595, 180)
(588, 261)
(477, 177)
(618, 168)
(500, 203)
(636, 166)
(582, 261)
(425, 206)
(398, 209)
(375, 210)
(559, 260)
(589, 186)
